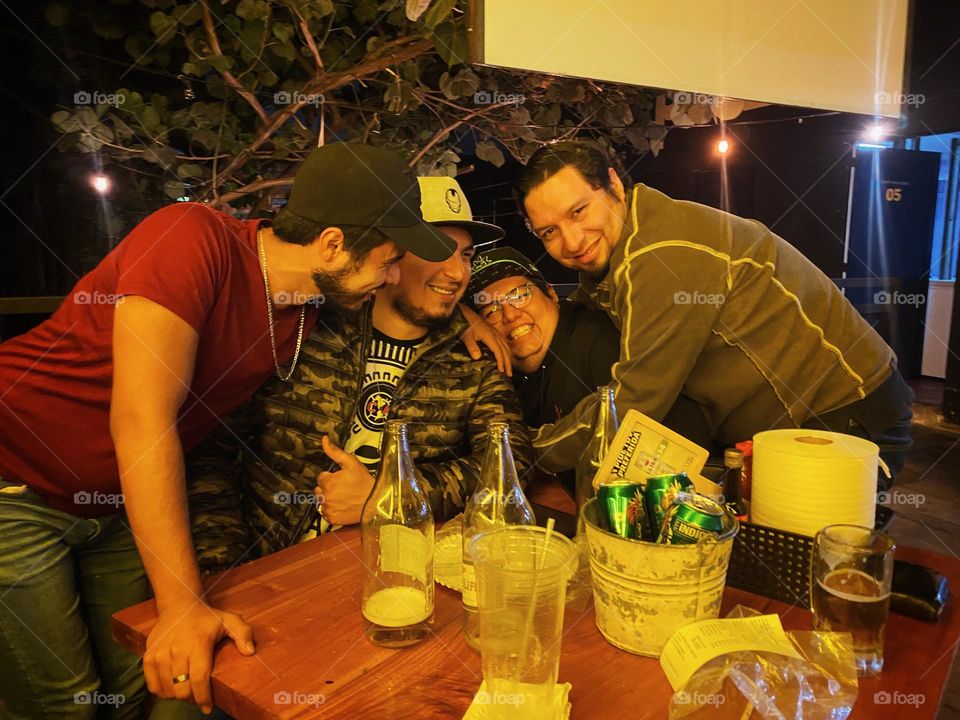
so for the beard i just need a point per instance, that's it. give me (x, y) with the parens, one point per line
(333, 290)
(417, 316)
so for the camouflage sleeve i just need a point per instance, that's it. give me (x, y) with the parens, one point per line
(451, 483)
(214, 471)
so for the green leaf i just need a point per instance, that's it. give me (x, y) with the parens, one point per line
(189, 15)
(439, 12)
(66, 121)
(487, 150)
(189, 170)
(174, 189)
(416, 8)
(57, 14)
(451, 45)
(283, 31)
(253, 10)
(162, 26)
(222, 63)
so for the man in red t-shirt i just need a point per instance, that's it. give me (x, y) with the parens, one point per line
(176, 327)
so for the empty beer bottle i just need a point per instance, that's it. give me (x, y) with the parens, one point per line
(606, 422)
(605, 426)
(396, 532)
(498, 501)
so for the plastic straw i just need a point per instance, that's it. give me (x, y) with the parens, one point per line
(528, 626)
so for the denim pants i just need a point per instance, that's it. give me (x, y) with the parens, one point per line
(61, 578)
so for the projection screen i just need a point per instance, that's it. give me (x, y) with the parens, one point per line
(843, 55)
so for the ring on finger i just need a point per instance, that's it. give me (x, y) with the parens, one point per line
(181, 679)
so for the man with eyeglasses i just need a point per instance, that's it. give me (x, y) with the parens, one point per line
(710, 305)
(562, 349)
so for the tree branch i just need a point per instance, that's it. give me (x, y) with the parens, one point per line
(373, 63)
(443, 132)
(228, 76)
(251, 188)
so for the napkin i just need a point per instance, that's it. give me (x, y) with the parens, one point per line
(525, 702)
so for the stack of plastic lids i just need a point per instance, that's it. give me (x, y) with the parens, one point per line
(804, 480)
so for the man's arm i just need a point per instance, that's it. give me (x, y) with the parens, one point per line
(450, 483)
(153, 358)
(667, 299)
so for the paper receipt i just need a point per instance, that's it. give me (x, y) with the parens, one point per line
(694, 645)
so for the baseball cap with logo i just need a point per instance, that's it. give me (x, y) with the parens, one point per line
(354, 184)
(496, 264)
(443, 203)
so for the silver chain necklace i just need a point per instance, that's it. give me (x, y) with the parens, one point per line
(273, 339)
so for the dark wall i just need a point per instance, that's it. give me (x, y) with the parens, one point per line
(792, 176)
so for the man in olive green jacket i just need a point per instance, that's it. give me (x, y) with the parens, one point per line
(252, 486)
(712, 306)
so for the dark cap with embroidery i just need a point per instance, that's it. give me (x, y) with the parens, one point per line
(496, 264)
(354, 184)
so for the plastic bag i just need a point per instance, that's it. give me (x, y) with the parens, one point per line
(755, 685)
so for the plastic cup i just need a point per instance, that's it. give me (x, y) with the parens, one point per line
(517, 567)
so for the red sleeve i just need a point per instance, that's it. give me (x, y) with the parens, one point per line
(177, 258)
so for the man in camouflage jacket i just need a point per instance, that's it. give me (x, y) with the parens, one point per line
(251, 488)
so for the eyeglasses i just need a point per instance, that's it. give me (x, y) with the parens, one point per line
(518, 297)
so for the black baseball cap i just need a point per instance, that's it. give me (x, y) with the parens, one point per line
(354, 184)
(496, 264)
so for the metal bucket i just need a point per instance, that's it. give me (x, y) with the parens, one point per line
(644, 592)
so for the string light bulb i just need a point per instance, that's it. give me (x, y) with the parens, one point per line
(100, 183)
(723, 147)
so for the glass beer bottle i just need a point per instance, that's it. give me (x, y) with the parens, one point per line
(605, 426)
(396, 534)
(498, 501)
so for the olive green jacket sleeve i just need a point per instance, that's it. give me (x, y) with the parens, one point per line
(450, 483)
(665, 301)
(214, 472)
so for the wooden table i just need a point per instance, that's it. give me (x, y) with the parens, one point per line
(313, 660)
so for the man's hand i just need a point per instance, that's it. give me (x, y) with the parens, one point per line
(343, 493)
(182, 642)
(480, 331)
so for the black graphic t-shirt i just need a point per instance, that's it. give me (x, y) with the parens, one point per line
(386, 364)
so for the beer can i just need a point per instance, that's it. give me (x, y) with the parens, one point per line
(659, 493)
(690, 518)
(621, 508)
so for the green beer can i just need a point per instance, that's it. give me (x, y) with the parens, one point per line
(621, 508)
(658, 495)
(690, 518)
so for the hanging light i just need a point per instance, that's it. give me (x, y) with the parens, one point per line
(723, 147)
(100, 183)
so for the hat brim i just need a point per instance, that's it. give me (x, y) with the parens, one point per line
(481, 232)
(423, 240)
